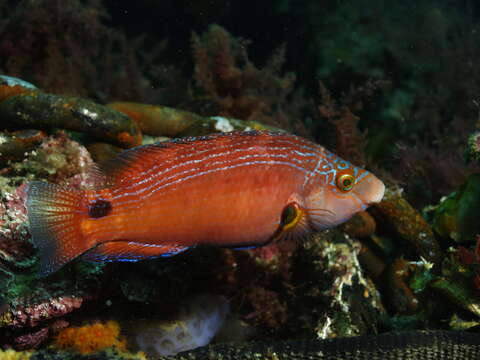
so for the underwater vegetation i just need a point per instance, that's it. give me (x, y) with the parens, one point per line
(98, 57)
(234, 85)
(78, 91)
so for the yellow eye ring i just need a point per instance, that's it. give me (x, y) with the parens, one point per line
(345, 182)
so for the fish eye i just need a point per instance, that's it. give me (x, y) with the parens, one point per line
(291, 215)
(345, 182)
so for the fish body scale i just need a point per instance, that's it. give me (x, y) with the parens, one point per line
(238, 190)
(234, 191)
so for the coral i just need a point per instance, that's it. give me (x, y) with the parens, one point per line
(90, 338)
(260, 281)
(234, 86)
(32, 316)
(56, 159)
(15, 251)
(31, 340)
(329, 281)
(30, 335)
(273, 285)
(35, 323)
(12, 251)
(33, 309)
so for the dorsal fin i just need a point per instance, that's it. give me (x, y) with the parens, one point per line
(127, 166)
(129, 163)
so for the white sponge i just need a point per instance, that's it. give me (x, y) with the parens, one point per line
(199, 320)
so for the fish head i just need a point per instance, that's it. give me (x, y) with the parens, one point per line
(338, 190)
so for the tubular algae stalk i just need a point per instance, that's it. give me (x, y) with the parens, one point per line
(38, 110)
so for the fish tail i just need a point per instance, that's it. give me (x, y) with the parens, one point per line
(55, 215)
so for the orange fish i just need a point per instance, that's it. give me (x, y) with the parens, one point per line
(237, 189)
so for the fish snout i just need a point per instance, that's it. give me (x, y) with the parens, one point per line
(370, 190)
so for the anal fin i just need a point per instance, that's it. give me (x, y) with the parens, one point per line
(246, 247)
(124, 250)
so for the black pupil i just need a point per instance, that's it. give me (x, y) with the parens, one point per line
(99, 208)
(347, 182)
(288, 214)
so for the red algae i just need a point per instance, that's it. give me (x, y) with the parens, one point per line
(235, 86)
(36, 314)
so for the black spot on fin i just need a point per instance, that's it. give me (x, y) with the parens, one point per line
(99, 208)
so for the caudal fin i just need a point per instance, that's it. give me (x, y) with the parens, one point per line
(55, 214)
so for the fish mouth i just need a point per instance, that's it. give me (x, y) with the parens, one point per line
(371, 190)
(380, 192)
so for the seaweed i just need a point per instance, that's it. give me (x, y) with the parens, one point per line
(65, 47)
(234, 87)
